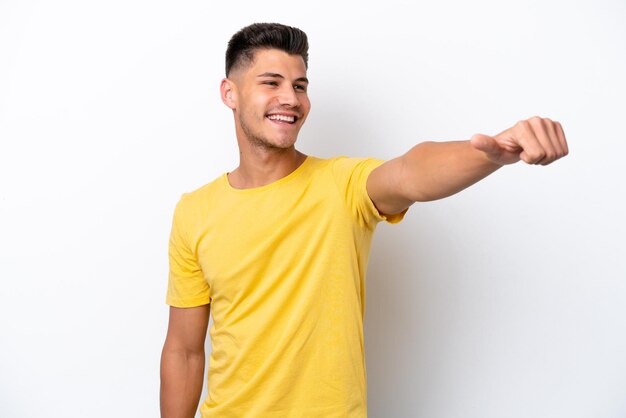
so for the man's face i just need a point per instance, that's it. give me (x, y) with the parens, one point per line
(271, 99)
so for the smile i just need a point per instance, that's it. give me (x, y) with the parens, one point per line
(282, 118)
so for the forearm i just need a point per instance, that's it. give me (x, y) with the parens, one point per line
(182, 375)
(434, 170)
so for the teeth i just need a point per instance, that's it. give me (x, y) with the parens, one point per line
(281, 117)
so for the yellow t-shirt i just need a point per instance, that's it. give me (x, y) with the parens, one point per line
(283, 266)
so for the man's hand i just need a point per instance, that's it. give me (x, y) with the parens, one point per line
(534, 141)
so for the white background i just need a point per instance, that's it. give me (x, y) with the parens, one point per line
(507, 300)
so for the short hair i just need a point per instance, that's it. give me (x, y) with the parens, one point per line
(246, 41)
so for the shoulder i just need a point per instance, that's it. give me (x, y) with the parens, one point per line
(201, 196)
(343, 161)
(348, 166)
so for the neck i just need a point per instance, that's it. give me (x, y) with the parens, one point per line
(261, 166)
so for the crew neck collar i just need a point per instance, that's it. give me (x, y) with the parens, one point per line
(271, 185)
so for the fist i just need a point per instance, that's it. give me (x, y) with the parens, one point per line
(534, 141)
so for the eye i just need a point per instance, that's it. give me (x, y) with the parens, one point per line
(271, 83)
(299, 87)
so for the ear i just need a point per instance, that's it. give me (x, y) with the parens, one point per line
(228, 90)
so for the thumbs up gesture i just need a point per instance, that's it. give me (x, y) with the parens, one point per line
(534, 141)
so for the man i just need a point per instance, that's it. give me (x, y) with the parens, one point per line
(278, 247)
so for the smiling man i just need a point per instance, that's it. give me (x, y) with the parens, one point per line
(276, 250)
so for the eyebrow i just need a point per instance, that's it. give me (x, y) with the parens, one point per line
(276, 75)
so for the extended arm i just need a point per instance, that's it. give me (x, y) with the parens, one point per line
(434, 170)
(182, 361)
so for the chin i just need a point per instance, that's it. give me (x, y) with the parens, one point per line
(282, 142)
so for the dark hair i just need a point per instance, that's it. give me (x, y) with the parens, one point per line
(246, 41)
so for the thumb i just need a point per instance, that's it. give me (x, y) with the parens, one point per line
(494, 150)
(486, 144)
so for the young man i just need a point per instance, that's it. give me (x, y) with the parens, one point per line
(278, 247)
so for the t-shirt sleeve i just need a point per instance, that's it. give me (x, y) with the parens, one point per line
(187, 286)
(351, 177)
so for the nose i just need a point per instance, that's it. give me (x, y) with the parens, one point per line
(288, 97)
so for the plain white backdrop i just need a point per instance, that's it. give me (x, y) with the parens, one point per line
(507, 300)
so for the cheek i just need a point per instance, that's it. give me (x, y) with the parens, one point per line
(303, 99)
(260, 106)
(306, 105)
(253, 109)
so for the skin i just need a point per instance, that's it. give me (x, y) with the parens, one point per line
(275, 83)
